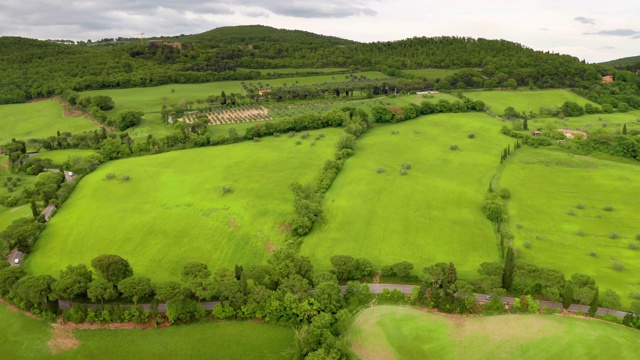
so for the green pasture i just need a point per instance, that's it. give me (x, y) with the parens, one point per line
(402, 100)
(431, 73)
(8, 215)
(432, 214)
(25, 181)
(22, 337)
(547, 187)
(526, 100)
(173, 210)
(293, 71)
(60, 156)
(217, 340)
(607, 122)
(38, 120)
(390, 332)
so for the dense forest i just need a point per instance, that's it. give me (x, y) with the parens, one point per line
(32, 68)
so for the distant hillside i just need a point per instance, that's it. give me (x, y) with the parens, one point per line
(623, 62)
(250, 34)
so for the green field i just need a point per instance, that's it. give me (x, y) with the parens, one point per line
(526, 100)
(432, 214)
(547, 185)
(607, 122)
(173, 210)
(219, 340)
(60, 156)
(431, 74)
(290, 71)
(7, 215)
(388, 332)
(38, 120)
(22, 337)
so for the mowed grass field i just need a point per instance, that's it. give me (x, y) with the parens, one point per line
(37, 120)
(218, 340)
(173, 210)
(546, 186)
(432, 214)
(526, 100)
(22, 337)
(389, 332)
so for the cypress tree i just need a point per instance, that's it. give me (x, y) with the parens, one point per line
(34, 209)
(509, 267)
(624, 129)
(525, 124)
(594, 303)
(567, 296)
(508, 149)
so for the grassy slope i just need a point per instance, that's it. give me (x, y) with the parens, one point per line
(172, 211)
(546, 185)
(607, 122)
(22, 337)
(432, 214)
(388, 332)
(38, 120)
(60, 156)
(7, 215)
(525, 100)
(219, 340)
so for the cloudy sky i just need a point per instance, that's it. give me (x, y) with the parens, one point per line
(588, 29)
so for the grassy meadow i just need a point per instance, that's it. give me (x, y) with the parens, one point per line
(432, 214)
(173, 210)
(7, 215)
(526, 100)
(547, 188)
(22, 337)
(390, 332)
(38, 120)
(217, 340)
(606, 122)
(60, 156)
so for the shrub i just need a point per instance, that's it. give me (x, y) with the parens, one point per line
(227, 189)
(110, 176)
(298, 142)
(571, 212)
(380, 170)
(617, 265)
(580, 232)
(291, 134)
(454, 147)
(395, 132)
(614, 235)
(608, 208)
(10, 188)
(406, 166)
(505, 193)
(125, 178)
(634, 246)
(403, 172)
(471, 136)
(276, 134)
(635, 295)
(305, 135)
(527, 244)
(519, 225)
(638, 236)
(313, 143)
(580, 206)
(593, 254)
(318, 137)
(256, 139)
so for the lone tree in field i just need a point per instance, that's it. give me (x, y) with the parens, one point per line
(509, 268)
(567, 296)
(112, 268)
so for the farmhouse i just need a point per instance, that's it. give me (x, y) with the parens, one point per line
(536, 133)
(264, 91)
(571, 133)
(607, 79)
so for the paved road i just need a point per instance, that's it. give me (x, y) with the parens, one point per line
(13, 255)
(407, 290)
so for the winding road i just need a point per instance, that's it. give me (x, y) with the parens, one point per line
(407, 290)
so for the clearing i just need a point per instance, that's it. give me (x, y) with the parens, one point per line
(391, 332)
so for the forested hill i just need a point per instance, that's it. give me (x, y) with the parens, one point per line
(254, 34)
(631, 63)
(31, 68)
